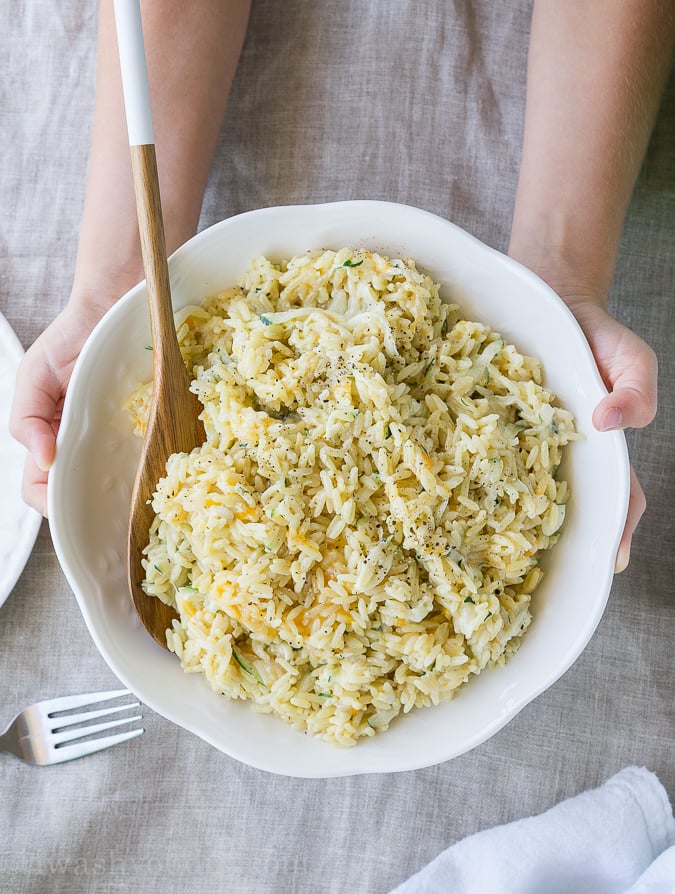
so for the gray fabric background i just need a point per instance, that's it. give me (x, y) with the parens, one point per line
(413, 102)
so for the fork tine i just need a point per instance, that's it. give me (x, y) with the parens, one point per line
(67, 702)
(58, 723)
(70, 735)
(81, 749)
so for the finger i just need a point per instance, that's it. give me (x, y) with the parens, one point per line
(35, 406)
(636, 507)
(34, 490)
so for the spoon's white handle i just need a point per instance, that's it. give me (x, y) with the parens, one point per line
(134, 72)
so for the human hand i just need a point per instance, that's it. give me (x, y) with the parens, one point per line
(41, 384)
(629, 370)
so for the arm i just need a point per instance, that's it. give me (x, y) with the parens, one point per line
(596, 73)
(192, 51)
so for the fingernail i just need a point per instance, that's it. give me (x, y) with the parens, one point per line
(622, 559)
(613, 419)
(43, 463)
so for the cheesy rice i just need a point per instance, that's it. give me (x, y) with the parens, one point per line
(361, 532)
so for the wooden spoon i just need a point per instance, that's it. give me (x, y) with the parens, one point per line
(173, 423)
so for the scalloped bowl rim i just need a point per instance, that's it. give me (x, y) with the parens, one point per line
(91, 480)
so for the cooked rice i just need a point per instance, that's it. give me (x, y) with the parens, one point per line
(361, 531)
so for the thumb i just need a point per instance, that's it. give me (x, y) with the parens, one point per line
(35, 407)
(40, 441)
(624, 408)
(632, 401)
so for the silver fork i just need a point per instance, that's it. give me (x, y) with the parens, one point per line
(43, 734)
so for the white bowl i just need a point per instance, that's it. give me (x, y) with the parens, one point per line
(90, 486)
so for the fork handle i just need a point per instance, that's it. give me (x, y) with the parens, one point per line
(10, 742)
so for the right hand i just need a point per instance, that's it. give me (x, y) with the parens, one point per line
(41, 384)
(629, 369)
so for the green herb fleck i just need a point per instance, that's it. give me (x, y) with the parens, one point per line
(469, 599)
(246, 667)
(265, 321)
(350, 263)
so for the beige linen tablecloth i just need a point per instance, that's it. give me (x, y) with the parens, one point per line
(419, 103)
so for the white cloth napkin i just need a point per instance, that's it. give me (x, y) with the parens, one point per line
(616, 839)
